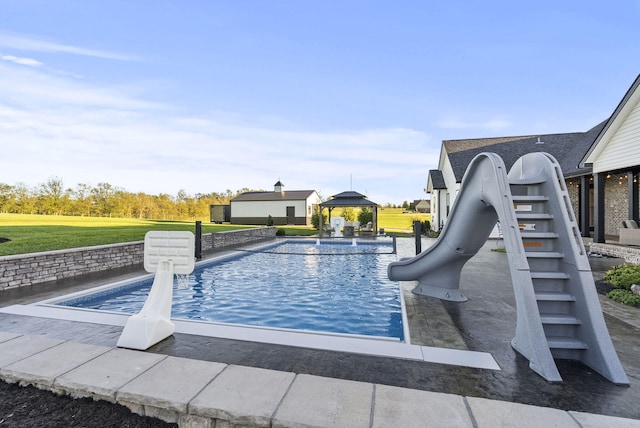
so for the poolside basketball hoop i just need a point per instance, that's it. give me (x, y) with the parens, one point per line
(337, 223)
(166, 254)
(182, 279)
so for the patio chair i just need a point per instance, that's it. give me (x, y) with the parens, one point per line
(328, 229)
(629, 234)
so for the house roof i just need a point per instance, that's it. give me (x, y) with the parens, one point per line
(568, 149)
(613, 123)
(437, 179)
(348, 199)
(453, 146)
(291, 195)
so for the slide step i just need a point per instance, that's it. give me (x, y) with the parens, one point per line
(555, 297)
(531, 198)
(538, 235)
(562, 342)
(533, 216)
(543, 255)
(525, 181)
(549, 275)
(559, 319)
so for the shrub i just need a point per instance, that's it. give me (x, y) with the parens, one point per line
(269, 220)
(349, 214)
(622, 276)
(315, 219)
(365, 216)
(280, 232)
(625, 297)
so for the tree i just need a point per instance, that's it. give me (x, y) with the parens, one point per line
(52, 198)
(349, 214)
(82, 200)
(106, 200)
(143, 205)
(315, 217)
(6, 196)
(103, 199)
(25, 200)
(124, 203)
(365, 216)
(165, 205)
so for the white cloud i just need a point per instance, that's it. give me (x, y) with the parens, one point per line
(497, 124)
(83, 133)
(141, 152)
(21, 61)
(33, 44)
(493, 124)
(39, 90)
(453, 123)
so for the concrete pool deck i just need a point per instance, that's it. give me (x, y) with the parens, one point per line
(204, 379)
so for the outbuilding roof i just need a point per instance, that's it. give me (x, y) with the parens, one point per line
(291, 195)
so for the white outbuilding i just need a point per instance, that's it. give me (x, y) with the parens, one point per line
(293, 207)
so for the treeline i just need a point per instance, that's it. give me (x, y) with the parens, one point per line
(105, 200)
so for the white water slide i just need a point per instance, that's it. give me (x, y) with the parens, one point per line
(558, 311)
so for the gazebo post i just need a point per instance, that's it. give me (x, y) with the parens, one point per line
(375, 219)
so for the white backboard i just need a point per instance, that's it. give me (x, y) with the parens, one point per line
(337, 222)
(179, 247)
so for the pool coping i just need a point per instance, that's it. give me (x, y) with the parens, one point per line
(365, 345)
(195, 393)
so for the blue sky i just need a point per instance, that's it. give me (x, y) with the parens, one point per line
(159, 96)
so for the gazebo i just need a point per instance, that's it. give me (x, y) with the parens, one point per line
(349, 199)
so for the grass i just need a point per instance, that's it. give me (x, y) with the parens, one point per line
(30, 233)
(397, 220)
(298, 230)
(35, 233)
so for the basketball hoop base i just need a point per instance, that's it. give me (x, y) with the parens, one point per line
(165, 253)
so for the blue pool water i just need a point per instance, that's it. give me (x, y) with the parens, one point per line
(332, 287)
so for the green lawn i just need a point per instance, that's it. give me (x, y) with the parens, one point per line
(34, 233)
(399, 220)
(394, 220)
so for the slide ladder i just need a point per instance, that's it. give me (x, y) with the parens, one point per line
(558, 311)
(566, 302)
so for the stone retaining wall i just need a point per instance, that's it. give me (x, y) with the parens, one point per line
(27, 269)
(629, 254)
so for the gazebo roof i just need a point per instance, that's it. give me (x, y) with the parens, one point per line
(348, 199)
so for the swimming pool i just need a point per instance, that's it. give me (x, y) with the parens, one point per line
(334, 287)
